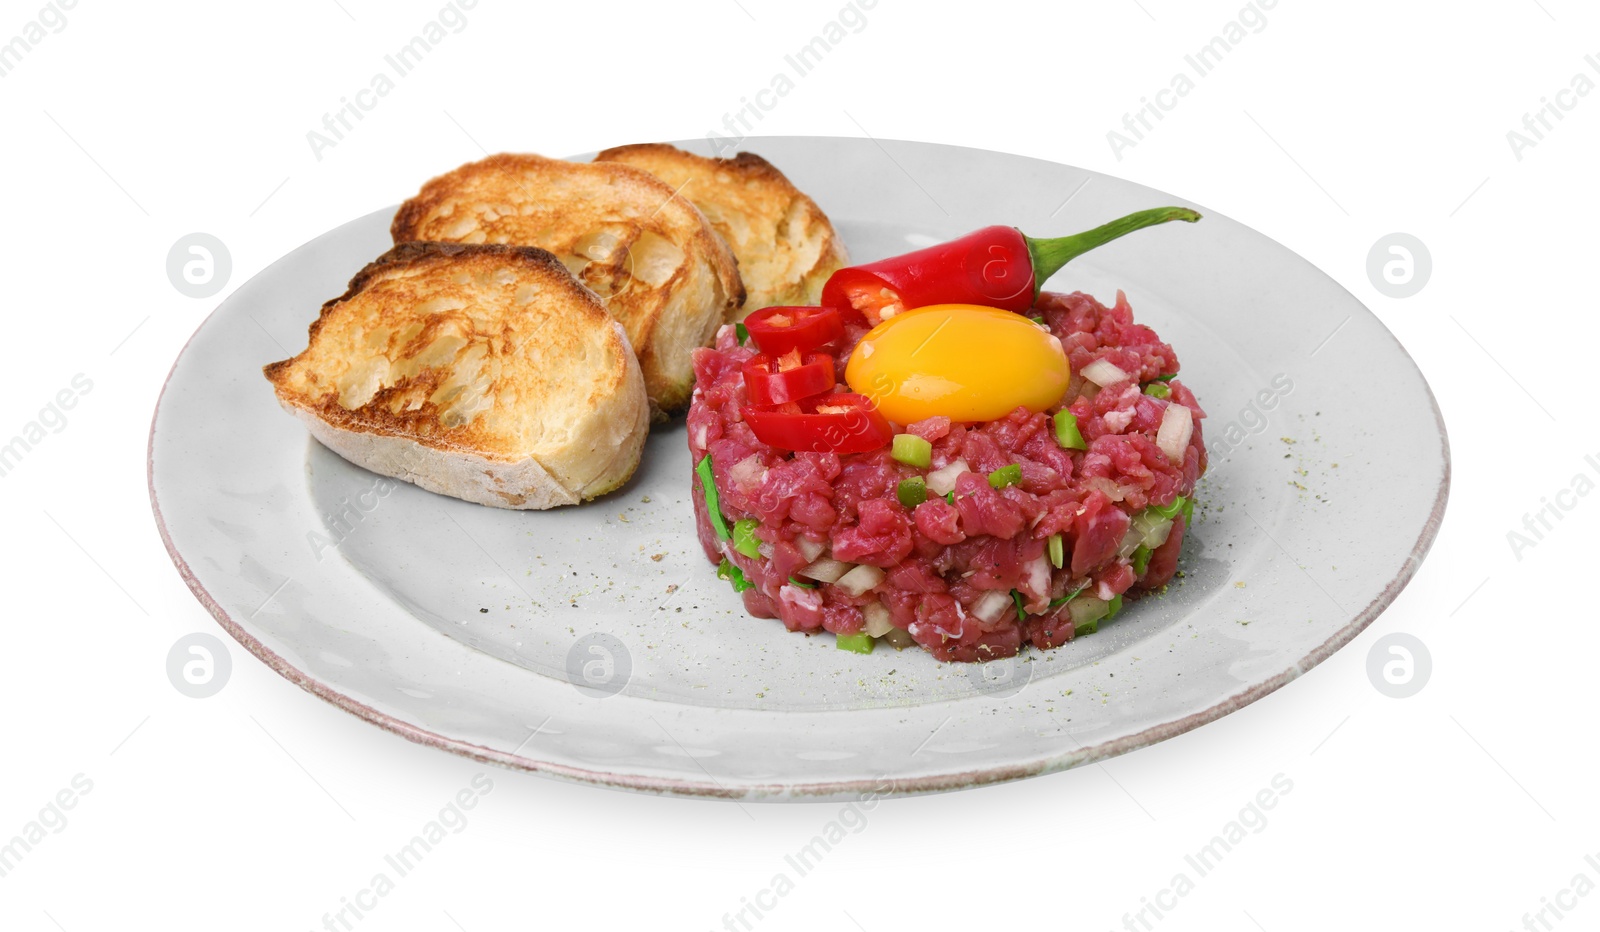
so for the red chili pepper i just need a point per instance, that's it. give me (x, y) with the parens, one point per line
(790, 377)
(777, 330)
(839, 423)
(996, 267)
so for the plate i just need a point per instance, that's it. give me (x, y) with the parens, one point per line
(596, 644)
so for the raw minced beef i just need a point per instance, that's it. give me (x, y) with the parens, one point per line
(941, 562)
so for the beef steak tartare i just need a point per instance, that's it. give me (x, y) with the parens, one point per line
(1026, 529)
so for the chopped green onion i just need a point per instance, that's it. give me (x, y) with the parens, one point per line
(1037, 320)
(1057, 603)
(1006, 475)
(1188, 512)
(1158, 390)
(1165, 378)
(708, 485)
(744, 537)
(912, 492)
(803, 585)
(1067, 433)
(742, 332)
(734, 575)
(950, 497)
(1170, 509)
(1115, 605)
(1141, 560)
(858, 643)
(912, 450)
(1017, 598)
(1058, 551)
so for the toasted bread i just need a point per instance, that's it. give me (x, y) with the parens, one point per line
(650, 255)
(487, 373)
(785, 245)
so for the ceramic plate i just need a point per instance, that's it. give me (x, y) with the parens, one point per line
(596, 644)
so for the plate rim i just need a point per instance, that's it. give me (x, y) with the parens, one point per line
(824, 790)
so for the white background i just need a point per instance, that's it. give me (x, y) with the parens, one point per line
(1461, 808)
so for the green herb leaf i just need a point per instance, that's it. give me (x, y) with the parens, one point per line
(1057, 603)
(708, 485)
(734, 575)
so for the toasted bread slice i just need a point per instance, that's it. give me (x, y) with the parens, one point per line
(487, 373)
(785, 244)
(650, 255)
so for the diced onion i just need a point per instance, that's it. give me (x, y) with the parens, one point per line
(1086, 609)
(877, 620)
(1151, 528)
(1103, 372)
(809, 549)
(991, 604)
(826, 570)
(1131, 541)
(1039, 576)
(1113, 491)
(748, 472)
(1157, 534)
(942, 481)
(1177, 427)
(860, 579)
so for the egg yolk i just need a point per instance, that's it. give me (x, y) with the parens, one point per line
(965, 362)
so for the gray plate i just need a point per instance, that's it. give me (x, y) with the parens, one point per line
(467, 628)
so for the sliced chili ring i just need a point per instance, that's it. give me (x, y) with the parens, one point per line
(859, 295)
(777, 330)
(790, 377)
(843, 422)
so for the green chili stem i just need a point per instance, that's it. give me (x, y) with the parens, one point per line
(1049, 255)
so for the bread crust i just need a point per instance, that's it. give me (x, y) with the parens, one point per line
(483, 372)
(785, 245)
(651, 256)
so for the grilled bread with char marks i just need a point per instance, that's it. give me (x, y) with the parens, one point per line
(785, 244)
(487, 373)
(650, 255)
